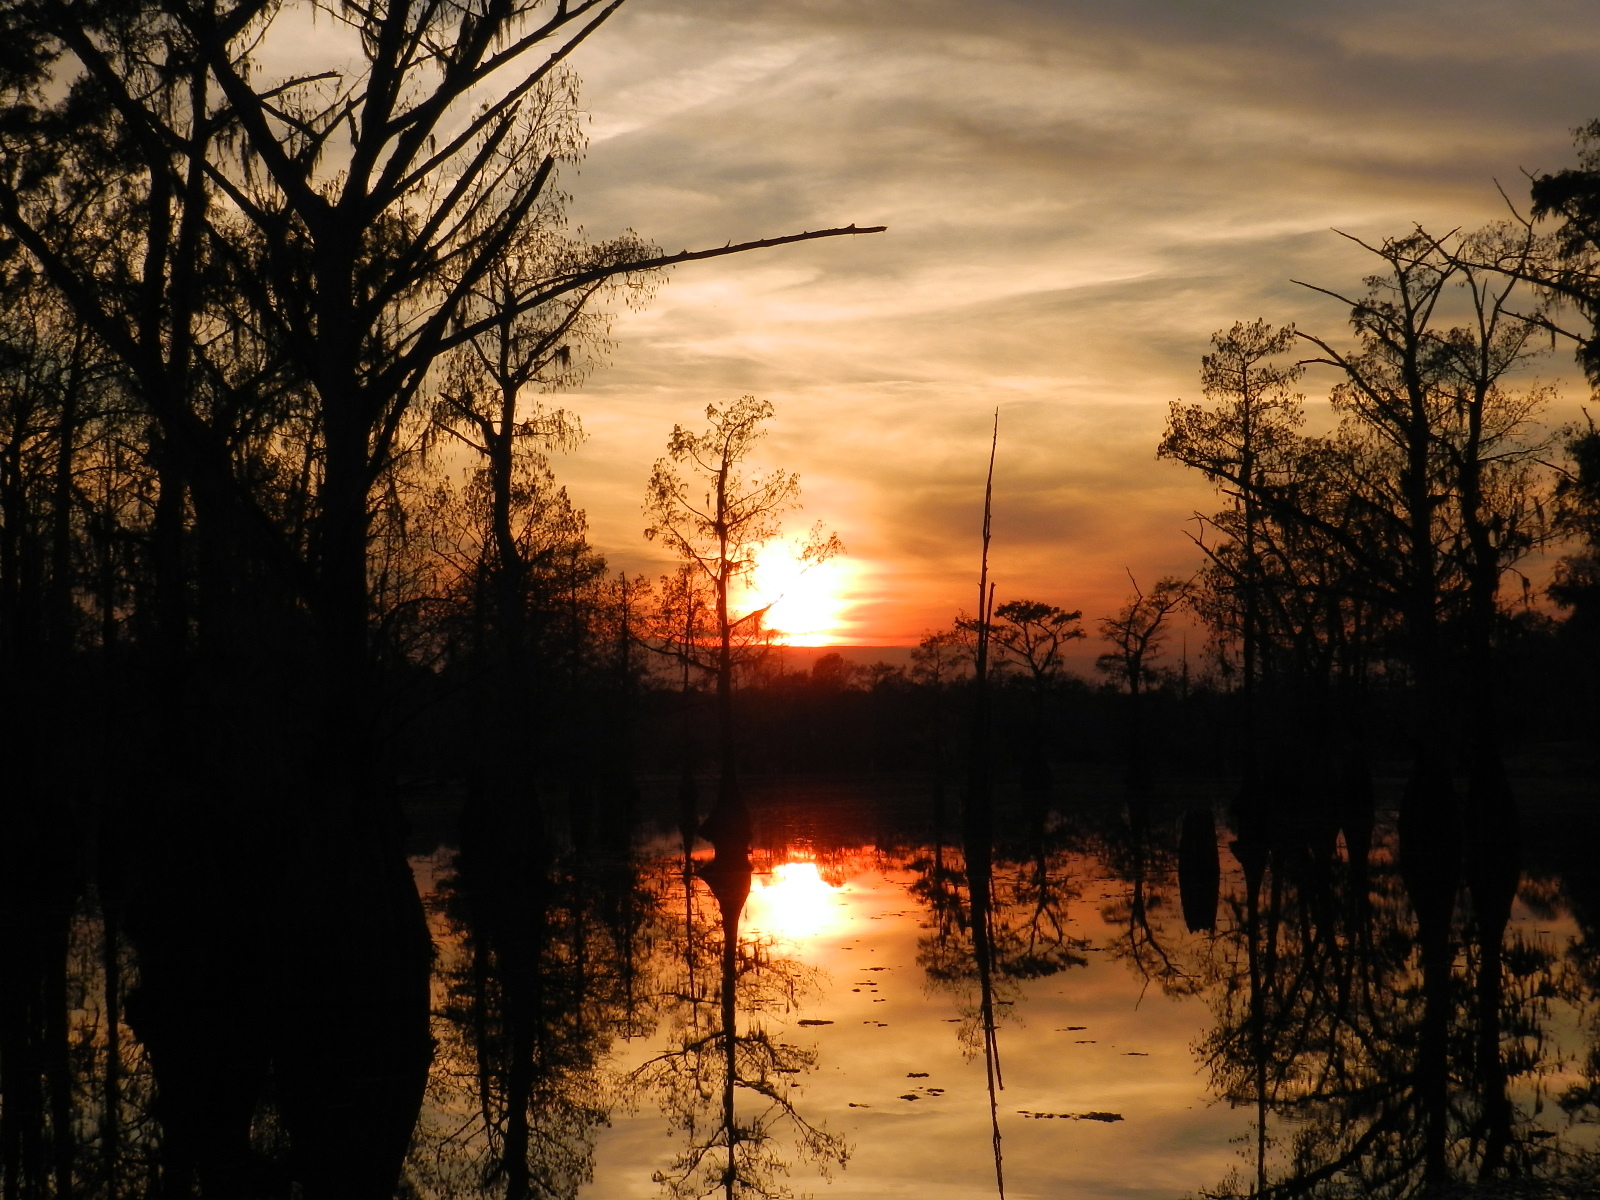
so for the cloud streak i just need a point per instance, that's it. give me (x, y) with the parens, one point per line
(1078, 195)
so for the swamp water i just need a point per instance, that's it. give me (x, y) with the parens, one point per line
(1162, 1007)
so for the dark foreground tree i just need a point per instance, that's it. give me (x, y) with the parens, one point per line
(1386, 542)
(273, 270)
(1243, 441)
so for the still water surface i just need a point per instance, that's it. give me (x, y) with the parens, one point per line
(1165, 1021)
(898, 1074)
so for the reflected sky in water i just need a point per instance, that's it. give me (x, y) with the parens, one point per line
(1127, 1043)
(1190, 999)
(897, 1078)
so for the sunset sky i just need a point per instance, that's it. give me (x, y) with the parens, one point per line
(1078, 194)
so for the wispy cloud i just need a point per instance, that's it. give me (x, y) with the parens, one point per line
(1078, 194)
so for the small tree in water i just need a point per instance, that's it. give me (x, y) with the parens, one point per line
(1136, 635)
(1030, 635)
(718, 532)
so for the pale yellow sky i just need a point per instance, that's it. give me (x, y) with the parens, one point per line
(1077, 195)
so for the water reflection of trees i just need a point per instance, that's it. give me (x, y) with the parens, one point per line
(549, 958)
(539, 978)
(1391, 1037)
(1032, 887)
(547, 962)
(77, 1118)
(710, 977)
(1134, 852)
(1391, 1030)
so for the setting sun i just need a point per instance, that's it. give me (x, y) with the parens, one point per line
(806, 601)
(793, 901)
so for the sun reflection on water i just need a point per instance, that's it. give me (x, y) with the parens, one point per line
(793, 901)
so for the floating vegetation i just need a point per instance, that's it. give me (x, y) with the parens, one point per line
(1106, 1117)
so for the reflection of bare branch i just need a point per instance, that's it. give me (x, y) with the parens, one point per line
(1147, 946)
(734, 1153)
(1026, 920)
(1320, 1000)
(534, 982)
